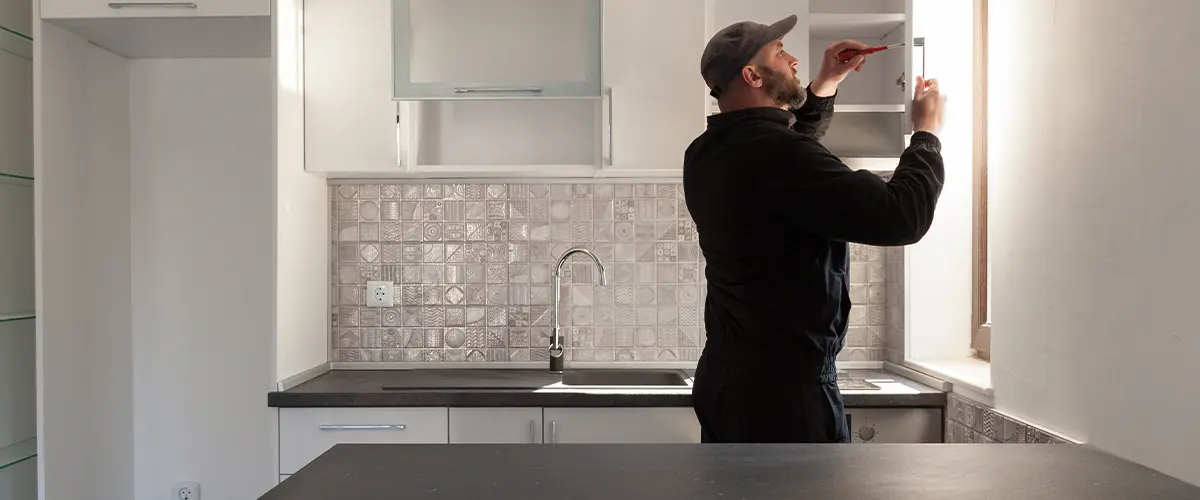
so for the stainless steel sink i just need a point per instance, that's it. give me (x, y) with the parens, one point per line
(619, 377)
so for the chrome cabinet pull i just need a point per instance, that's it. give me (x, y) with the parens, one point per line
(493, 90)
(394, 427)
(176, 5)
(553, 432)
(532, 431)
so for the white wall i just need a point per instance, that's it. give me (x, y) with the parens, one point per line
(203, 242)
(82, 229)
(302, 276)
(1093, 201)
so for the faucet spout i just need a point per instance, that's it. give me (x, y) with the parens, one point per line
(557, 351)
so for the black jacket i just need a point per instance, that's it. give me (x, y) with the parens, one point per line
(775, 211)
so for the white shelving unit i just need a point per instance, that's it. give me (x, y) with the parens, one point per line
(18, 403)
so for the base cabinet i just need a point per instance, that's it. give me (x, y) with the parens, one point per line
(621, 425)
(495, 425)
(306, 433)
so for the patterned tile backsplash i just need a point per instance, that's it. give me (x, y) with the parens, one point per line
(971, 422)
(472, 265)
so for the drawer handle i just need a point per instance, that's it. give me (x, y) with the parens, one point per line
(176, 5)
(396, 427)
(526, 90)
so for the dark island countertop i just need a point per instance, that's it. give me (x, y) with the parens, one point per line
(743, 472)
(501, 387)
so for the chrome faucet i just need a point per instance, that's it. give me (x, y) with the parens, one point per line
(556, 348)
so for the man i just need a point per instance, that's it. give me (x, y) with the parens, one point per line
(775, 211)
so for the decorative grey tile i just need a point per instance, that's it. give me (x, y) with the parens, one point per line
(478, 256)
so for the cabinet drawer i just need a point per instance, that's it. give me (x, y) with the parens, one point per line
(306, 433)
(621, 425)
(495, 425)
(66, 9)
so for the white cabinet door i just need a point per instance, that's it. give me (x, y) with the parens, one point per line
(350, 120)
(658, 103)
(495, 425)
(621, 425)
(306, 433)
(65, 9)
(490, 49)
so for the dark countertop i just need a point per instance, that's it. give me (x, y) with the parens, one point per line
(530, 387)
(747, 472)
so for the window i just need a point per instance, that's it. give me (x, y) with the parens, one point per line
(981, 319)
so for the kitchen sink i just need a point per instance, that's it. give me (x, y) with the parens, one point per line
(618, 377)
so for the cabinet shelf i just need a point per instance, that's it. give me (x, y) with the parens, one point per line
(18, 452)
(15, 43)
(880, 164)
(868, 108)
(7, 318)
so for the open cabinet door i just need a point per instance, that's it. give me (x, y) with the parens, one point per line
(914, 60)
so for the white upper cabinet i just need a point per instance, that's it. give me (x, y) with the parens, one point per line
(496, 49)
(657, 102)
(64, 9)
(350, 120)
(871, 116)
(140, 29)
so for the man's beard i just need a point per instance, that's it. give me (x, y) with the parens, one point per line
(783, 89)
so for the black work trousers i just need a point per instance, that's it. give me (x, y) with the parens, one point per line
(739, 401)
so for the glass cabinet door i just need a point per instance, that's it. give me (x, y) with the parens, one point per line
(496, 49)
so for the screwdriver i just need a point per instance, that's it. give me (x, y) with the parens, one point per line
(849, 54)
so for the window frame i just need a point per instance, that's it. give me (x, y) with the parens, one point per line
(981, 335)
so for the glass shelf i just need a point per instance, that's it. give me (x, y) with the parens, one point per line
(6, 175)
(15, 43)
(5, 318)
(18, 452)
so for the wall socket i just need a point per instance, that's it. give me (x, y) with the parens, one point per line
(185, 491)
(381, 294)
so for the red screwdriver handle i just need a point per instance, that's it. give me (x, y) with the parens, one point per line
(849, 54)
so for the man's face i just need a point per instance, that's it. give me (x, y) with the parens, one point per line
(777, 68)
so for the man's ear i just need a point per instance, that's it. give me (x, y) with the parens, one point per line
(751, 76)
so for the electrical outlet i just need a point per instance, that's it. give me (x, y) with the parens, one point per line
(381, 294)
(185, 491)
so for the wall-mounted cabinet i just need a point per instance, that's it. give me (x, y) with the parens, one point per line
(496, 49)
(58, 9)
(871, 123)
(164, 29)
(563, 88)
(425, 88)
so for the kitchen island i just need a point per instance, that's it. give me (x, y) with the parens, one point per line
(749, 472)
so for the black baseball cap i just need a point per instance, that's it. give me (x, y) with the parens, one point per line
(732, 48)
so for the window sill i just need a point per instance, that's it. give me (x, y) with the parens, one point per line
(969, 372)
